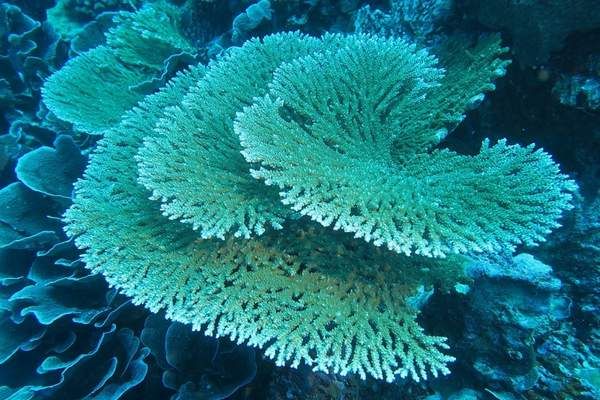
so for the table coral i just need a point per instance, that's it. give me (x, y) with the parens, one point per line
(316, 117)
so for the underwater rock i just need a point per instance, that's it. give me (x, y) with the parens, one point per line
(511, 306)
(578, 91)
(522, 267)
(575, 251)
(537, 28)
(567, 367)
(462, 394)
(575, 72)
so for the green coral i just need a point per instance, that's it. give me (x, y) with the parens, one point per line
(195, 143)
(468, 73)
(90, 104)
(148, 37)
(307, 295)
(69, 17)
(327, 122)
(93, 90)
(347, 138)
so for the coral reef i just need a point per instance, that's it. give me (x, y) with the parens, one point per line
(70, 17)
(522, 326)
(64, 333)
(57, 320)
(141, 53)
(348, 137)
(273, 265)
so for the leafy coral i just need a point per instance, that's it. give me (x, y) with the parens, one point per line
(63, 332)
(52, 171)
(197, 366)
(52, 336)
(29, 50)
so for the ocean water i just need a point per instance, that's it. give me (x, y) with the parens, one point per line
(303, 199)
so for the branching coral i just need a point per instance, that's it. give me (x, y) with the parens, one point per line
(199, 134)
(231, 286)
(364, 120)
(139, 49)
(417, 19)
(323, 118)
(63, 333)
